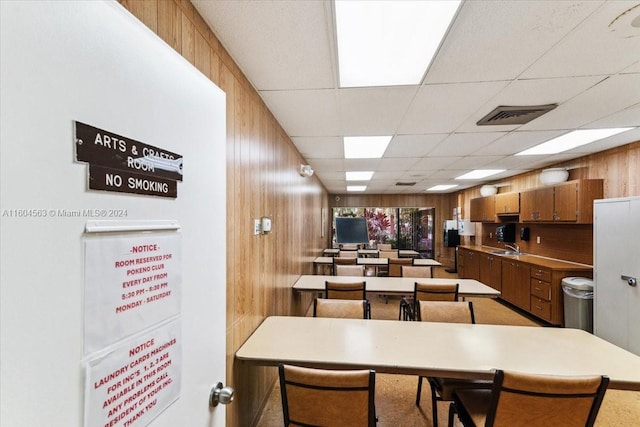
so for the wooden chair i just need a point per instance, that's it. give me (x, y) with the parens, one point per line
(349, 270)
(340, 308)
(442, 388)
(342, 261)
(522, 399)
(322, 397)
(396, 264)
(417, 271)
(409, 309)
(350, 291)
(384, 270)
(348, 254)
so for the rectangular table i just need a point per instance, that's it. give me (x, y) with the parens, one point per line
(327, 260)
(402, 253)
(394, 285)
(437, 349)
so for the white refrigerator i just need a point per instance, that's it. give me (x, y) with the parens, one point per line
(616, 250)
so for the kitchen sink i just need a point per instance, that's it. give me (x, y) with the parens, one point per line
(507, 252)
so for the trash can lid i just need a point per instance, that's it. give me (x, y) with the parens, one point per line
(579, 283)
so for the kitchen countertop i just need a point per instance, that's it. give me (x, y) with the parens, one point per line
(537, 260)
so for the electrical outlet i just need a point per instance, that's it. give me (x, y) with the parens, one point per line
(491, 235)
(538, 239)
(257, 227)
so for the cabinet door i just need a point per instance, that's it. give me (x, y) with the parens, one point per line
(489, 208)
(476, 209)
(528, 206)
(472, 265)
(515, 284)
(490, 271)
(545, 204)
(507, 203)
(461, 254)
(483, 209)
(566, 202)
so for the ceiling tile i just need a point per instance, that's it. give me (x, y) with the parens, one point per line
(508, 38)
(319, 147)
(278, 44)
(413, 145)
(305, 112)
(463, 144)
(442, 108)
(608, 51)
(373, 111)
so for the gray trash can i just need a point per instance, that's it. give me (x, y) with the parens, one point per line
(578, 303)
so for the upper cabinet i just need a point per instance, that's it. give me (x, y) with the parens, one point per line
(483, 209)
(507, 203)
(570, 201)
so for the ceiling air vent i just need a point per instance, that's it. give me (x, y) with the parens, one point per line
(405, 184)
(514, 115)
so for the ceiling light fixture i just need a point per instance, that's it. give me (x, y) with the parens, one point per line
(480, 173)
(356, 187)
(359, 176)
(387, 43)
(365, 147)
(571, 140)
(442, 187)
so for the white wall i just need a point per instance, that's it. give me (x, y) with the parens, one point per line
(93, 62)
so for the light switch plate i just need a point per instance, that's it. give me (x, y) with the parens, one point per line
(257, 228)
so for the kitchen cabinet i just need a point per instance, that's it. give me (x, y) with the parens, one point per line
(470, 263)
(537, 204)
(507, 203)
(490, 270)
(515, 283)
(617, 272)
(570, 201)
(541, 293)
(483, 209)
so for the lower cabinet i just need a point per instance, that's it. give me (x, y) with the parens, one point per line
(470, 262)
(541, 293)
(491, 270)
(515, 283)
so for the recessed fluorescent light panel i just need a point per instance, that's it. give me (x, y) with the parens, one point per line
(480, 173)
(571, 140)
(359, 176)
(442, 187)
(365, 147)
(356, 187)
(387, 43)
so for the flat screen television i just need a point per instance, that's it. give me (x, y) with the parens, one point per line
(351, 230)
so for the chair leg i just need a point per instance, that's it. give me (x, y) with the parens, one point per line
(434, 405)
(452, 410)
(419, 391)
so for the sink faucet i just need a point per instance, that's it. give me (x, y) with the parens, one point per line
(513, 247)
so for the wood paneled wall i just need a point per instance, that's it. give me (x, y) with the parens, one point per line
(262, 180)
(619, 168)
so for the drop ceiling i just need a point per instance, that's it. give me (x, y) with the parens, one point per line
(583, 56)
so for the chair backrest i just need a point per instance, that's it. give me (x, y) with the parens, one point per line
(384, 246)
(348, 254)
(446, 311)
(322, 397)
(435, 292)
(544, 400)
(349, 246)
(340, 308)
(395, 266)
(388, 254)
(349, 270)
(351, 290)
(416, 271)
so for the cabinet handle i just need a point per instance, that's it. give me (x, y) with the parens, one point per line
(537, 289)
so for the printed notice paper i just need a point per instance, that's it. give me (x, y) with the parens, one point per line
(131, 283)
(131, 383)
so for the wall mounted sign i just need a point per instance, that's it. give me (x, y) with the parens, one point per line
(104, 148)
(108, 179)
(131, 283)
(131, 383)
